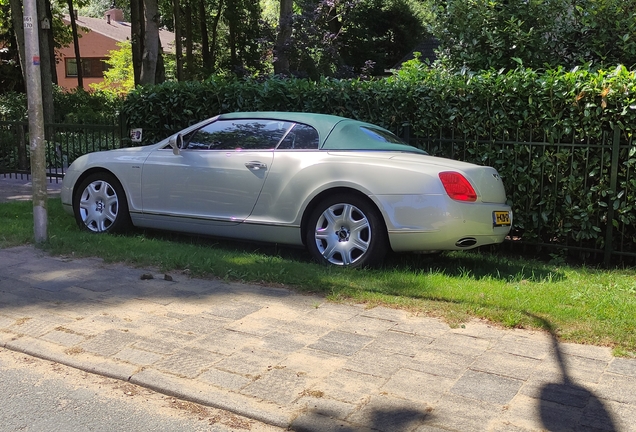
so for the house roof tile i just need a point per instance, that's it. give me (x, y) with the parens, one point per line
(119, 31)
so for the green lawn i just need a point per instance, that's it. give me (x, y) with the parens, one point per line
(580, 304)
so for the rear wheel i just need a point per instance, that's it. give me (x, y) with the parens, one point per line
(100, 204)
(347, 231)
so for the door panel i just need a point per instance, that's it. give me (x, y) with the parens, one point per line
(219, 171)
(206, 184)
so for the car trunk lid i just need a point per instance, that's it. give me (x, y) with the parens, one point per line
(486, 180)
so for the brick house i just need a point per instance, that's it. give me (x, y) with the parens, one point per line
(98, 37)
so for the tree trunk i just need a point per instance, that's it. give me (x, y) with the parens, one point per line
(49, 15)
(281, 51)
(215, 32)
(137, 36)
(176, 12)
(151, 43)
(205, 43)
(160, 73)
(188, 41)
(16, 18)
(78, 59)
(231, 15)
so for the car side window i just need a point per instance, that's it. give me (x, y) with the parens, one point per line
(302, 137)
(237, 135)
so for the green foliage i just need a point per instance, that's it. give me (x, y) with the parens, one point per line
(13, 106)
(344, 38)
(557, 103)
(96, 8)
(62, 32)
(119, 79)
(81, 107)
(560, 190)
(483, 34)
(74, 107)
(10, 72)
(381, 32)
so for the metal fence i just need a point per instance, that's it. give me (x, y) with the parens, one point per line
(64, 143)
(569, 195)
(572, 195)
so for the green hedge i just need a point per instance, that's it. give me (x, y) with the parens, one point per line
(74, 107)
(557, 102)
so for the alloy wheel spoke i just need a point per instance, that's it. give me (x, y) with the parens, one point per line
(330, 251)
(347, 213)
(359, 226)
(330, 217)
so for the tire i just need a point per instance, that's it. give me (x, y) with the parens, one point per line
(346, 230)
(100, 204)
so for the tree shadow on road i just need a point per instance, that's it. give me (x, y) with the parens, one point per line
(397, 419)
(564, 404)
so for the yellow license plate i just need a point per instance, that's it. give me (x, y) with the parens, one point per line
(500, 218)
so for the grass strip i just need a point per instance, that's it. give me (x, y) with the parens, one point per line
(581, 304)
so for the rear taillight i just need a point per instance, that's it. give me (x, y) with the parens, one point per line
(457, 187)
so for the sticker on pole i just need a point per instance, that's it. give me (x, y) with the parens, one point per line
(36, 60)
(28, 22)
(136, 134)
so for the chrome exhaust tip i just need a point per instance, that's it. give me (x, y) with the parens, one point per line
(466, 242)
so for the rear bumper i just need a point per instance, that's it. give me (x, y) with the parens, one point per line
(436, 241)
(435, 222)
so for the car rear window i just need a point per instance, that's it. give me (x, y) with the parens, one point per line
(353, 135)
(381, 135)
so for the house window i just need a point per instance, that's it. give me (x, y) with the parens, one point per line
(91, 67)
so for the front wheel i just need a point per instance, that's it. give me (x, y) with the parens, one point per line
(100, 204)
(346, 231)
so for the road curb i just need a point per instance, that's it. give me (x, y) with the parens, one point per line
(210, 396)
(50, 352)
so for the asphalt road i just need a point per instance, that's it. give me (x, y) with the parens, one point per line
(39, 395)
(21, 189)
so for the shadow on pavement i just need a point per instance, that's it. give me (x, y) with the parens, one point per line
(570, 395)
(381, 419)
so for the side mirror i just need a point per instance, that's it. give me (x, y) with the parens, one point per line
(176, 141)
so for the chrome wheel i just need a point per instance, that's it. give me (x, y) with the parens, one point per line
(342, 234)
(99, 205)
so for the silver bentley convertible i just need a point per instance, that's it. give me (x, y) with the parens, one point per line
(344, 189)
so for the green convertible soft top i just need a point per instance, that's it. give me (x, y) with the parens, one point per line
(337, 133)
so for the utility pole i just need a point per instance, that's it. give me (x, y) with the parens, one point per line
(36, 119)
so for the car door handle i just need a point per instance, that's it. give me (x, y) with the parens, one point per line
(256, 165)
